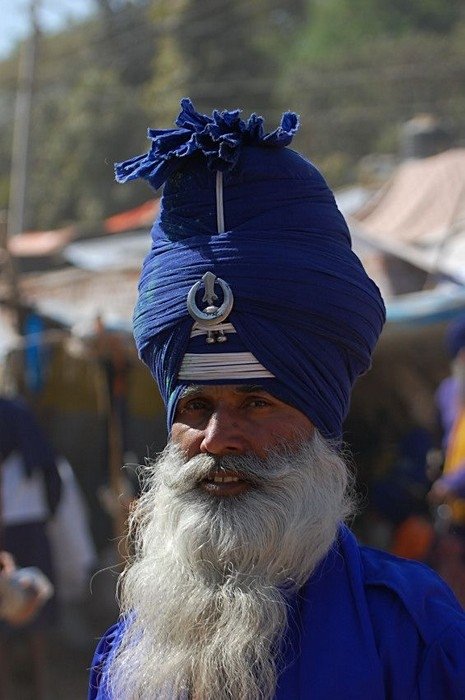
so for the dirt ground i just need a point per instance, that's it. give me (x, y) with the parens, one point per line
(67, 673)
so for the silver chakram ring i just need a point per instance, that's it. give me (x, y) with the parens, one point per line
(212, 314)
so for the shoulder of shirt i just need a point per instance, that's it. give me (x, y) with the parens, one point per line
(111, 637)
(107, 646)
(425, 598)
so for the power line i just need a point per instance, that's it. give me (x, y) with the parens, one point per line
(160, 28)
(351, 77)
(310, 80)
(340, 77)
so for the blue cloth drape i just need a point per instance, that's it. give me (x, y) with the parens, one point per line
(367, 625)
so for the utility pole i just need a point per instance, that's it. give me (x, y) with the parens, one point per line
(20, 151)
(22, 126)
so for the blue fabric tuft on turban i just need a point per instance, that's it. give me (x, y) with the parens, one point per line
(303, 303)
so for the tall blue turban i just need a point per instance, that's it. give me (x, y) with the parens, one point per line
(240, 205)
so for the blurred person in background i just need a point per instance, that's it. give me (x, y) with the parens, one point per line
(450, 400)
(22, 591)
(447, 493)
(256, 318)
(30, 493)
(398, 493)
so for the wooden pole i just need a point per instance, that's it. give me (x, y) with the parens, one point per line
(22, 128)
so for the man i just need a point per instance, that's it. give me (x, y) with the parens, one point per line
(30, 493)
(255, 317)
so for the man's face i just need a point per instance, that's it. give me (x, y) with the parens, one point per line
(234, 420)
(208, 590)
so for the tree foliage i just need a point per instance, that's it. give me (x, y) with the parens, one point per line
(88, 112)
(102, 124)
(354, 69)
(222, 54)
(338, 26)
(358, 85)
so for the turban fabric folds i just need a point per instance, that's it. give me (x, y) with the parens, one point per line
(304, 307)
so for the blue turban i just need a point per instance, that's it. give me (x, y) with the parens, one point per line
(305, 317)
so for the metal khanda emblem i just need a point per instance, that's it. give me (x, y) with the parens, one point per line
(211, 315)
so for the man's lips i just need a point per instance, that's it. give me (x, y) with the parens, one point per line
(225, 483)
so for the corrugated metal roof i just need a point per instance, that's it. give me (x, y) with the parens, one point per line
(419, 215)
(76, 297)
(41, 243)
(139, 217)
(119, 251)
(46, 243)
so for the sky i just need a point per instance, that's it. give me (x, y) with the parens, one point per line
(52, 15)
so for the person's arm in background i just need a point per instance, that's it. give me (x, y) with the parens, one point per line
(449, 486)
(22, 591)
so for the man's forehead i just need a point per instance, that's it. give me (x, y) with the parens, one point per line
(196, 389)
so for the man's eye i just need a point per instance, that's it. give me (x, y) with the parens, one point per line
(257, 402)
(194, 405)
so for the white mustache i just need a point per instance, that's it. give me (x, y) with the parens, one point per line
(259, 472)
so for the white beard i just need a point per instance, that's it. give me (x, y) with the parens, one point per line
(206, 594)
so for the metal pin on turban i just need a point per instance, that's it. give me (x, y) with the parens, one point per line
(212, 316)
(219, 202)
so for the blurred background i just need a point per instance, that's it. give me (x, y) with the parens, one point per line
(380, 89)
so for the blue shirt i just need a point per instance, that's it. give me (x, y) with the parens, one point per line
(366, 626)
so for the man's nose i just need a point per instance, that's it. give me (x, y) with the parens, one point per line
(224, 434)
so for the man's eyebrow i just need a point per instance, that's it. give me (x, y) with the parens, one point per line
(250, 389)
(191, 391)
(195, 389)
